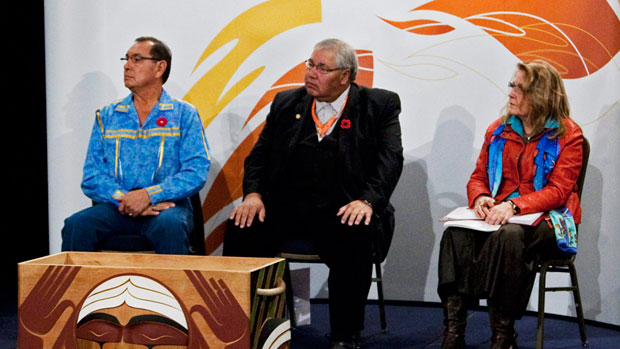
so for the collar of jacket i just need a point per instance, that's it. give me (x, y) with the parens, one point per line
(165, 103)
(517, 125)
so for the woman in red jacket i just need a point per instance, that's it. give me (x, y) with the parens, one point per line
(529, 162)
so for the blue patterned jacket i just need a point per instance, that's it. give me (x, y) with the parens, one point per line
(168, 155)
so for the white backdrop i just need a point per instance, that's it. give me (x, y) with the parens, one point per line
(449, 64)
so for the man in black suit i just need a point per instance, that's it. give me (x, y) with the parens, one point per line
(322, 171)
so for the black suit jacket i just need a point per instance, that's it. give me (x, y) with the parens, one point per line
(370, 153)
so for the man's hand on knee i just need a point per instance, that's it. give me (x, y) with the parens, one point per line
(154, 210)
(355, 212)
(134, 202)
(243, 215)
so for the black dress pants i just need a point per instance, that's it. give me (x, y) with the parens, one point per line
(346, 250)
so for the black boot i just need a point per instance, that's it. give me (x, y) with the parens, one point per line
(455, 320)
(503, 328)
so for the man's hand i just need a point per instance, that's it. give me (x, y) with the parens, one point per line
(244, 213)
(134, 202)
(153, 210)
(355, 212)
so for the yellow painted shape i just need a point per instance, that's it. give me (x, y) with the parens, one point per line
(251, 30)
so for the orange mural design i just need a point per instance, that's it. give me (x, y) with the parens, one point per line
(422, 26)
(227, 186)
(576, 43)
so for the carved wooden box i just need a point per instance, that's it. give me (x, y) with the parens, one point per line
(85, 300)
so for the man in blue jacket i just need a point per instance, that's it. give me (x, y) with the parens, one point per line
(147, 155)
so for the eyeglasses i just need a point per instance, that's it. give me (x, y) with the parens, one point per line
(135, 59)
(512, 85)
(321, 68)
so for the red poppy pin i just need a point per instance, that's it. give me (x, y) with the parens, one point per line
(345, 124)
(162, 121)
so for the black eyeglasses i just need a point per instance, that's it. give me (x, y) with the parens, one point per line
(138, 58)
(321, 68)
(512, 84)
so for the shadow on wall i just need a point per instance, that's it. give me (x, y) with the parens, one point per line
(406, 266)
(588, 260)
(598, 182)
(67, 147)
(89, 94)
(419, 204)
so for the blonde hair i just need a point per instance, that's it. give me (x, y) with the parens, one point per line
(544, 91)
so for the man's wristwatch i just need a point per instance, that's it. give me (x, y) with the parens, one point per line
(515, 208)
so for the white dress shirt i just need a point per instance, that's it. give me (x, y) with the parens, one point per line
(324, 111)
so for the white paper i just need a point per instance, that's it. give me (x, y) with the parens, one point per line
(479, 225)
(466, 213)
(460, 213)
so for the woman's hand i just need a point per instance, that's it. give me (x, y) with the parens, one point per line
(482, 205)
(499, 214)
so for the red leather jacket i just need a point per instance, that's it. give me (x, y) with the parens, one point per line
(519, 170)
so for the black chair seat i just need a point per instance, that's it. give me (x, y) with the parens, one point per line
(299, 246)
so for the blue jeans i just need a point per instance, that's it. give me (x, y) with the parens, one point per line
(167, 232)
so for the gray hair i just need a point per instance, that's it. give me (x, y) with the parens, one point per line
(345, 54)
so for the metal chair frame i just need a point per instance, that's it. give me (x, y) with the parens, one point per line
(563, 266)
(313, 258)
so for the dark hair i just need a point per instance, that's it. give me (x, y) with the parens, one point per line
(159, 51)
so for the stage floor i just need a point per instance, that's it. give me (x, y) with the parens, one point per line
(409, 326)
(419, 325)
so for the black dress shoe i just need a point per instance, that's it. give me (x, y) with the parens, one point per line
(453, 341)
(343, 345)
(348, 342)
(504, 341)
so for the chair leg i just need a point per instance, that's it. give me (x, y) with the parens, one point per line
(578, 305)
(541, 306)
(379, 280)
(290, 301)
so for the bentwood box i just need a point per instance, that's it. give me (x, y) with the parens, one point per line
(85, 300)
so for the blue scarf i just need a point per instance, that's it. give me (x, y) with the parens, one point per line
(548, 151)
